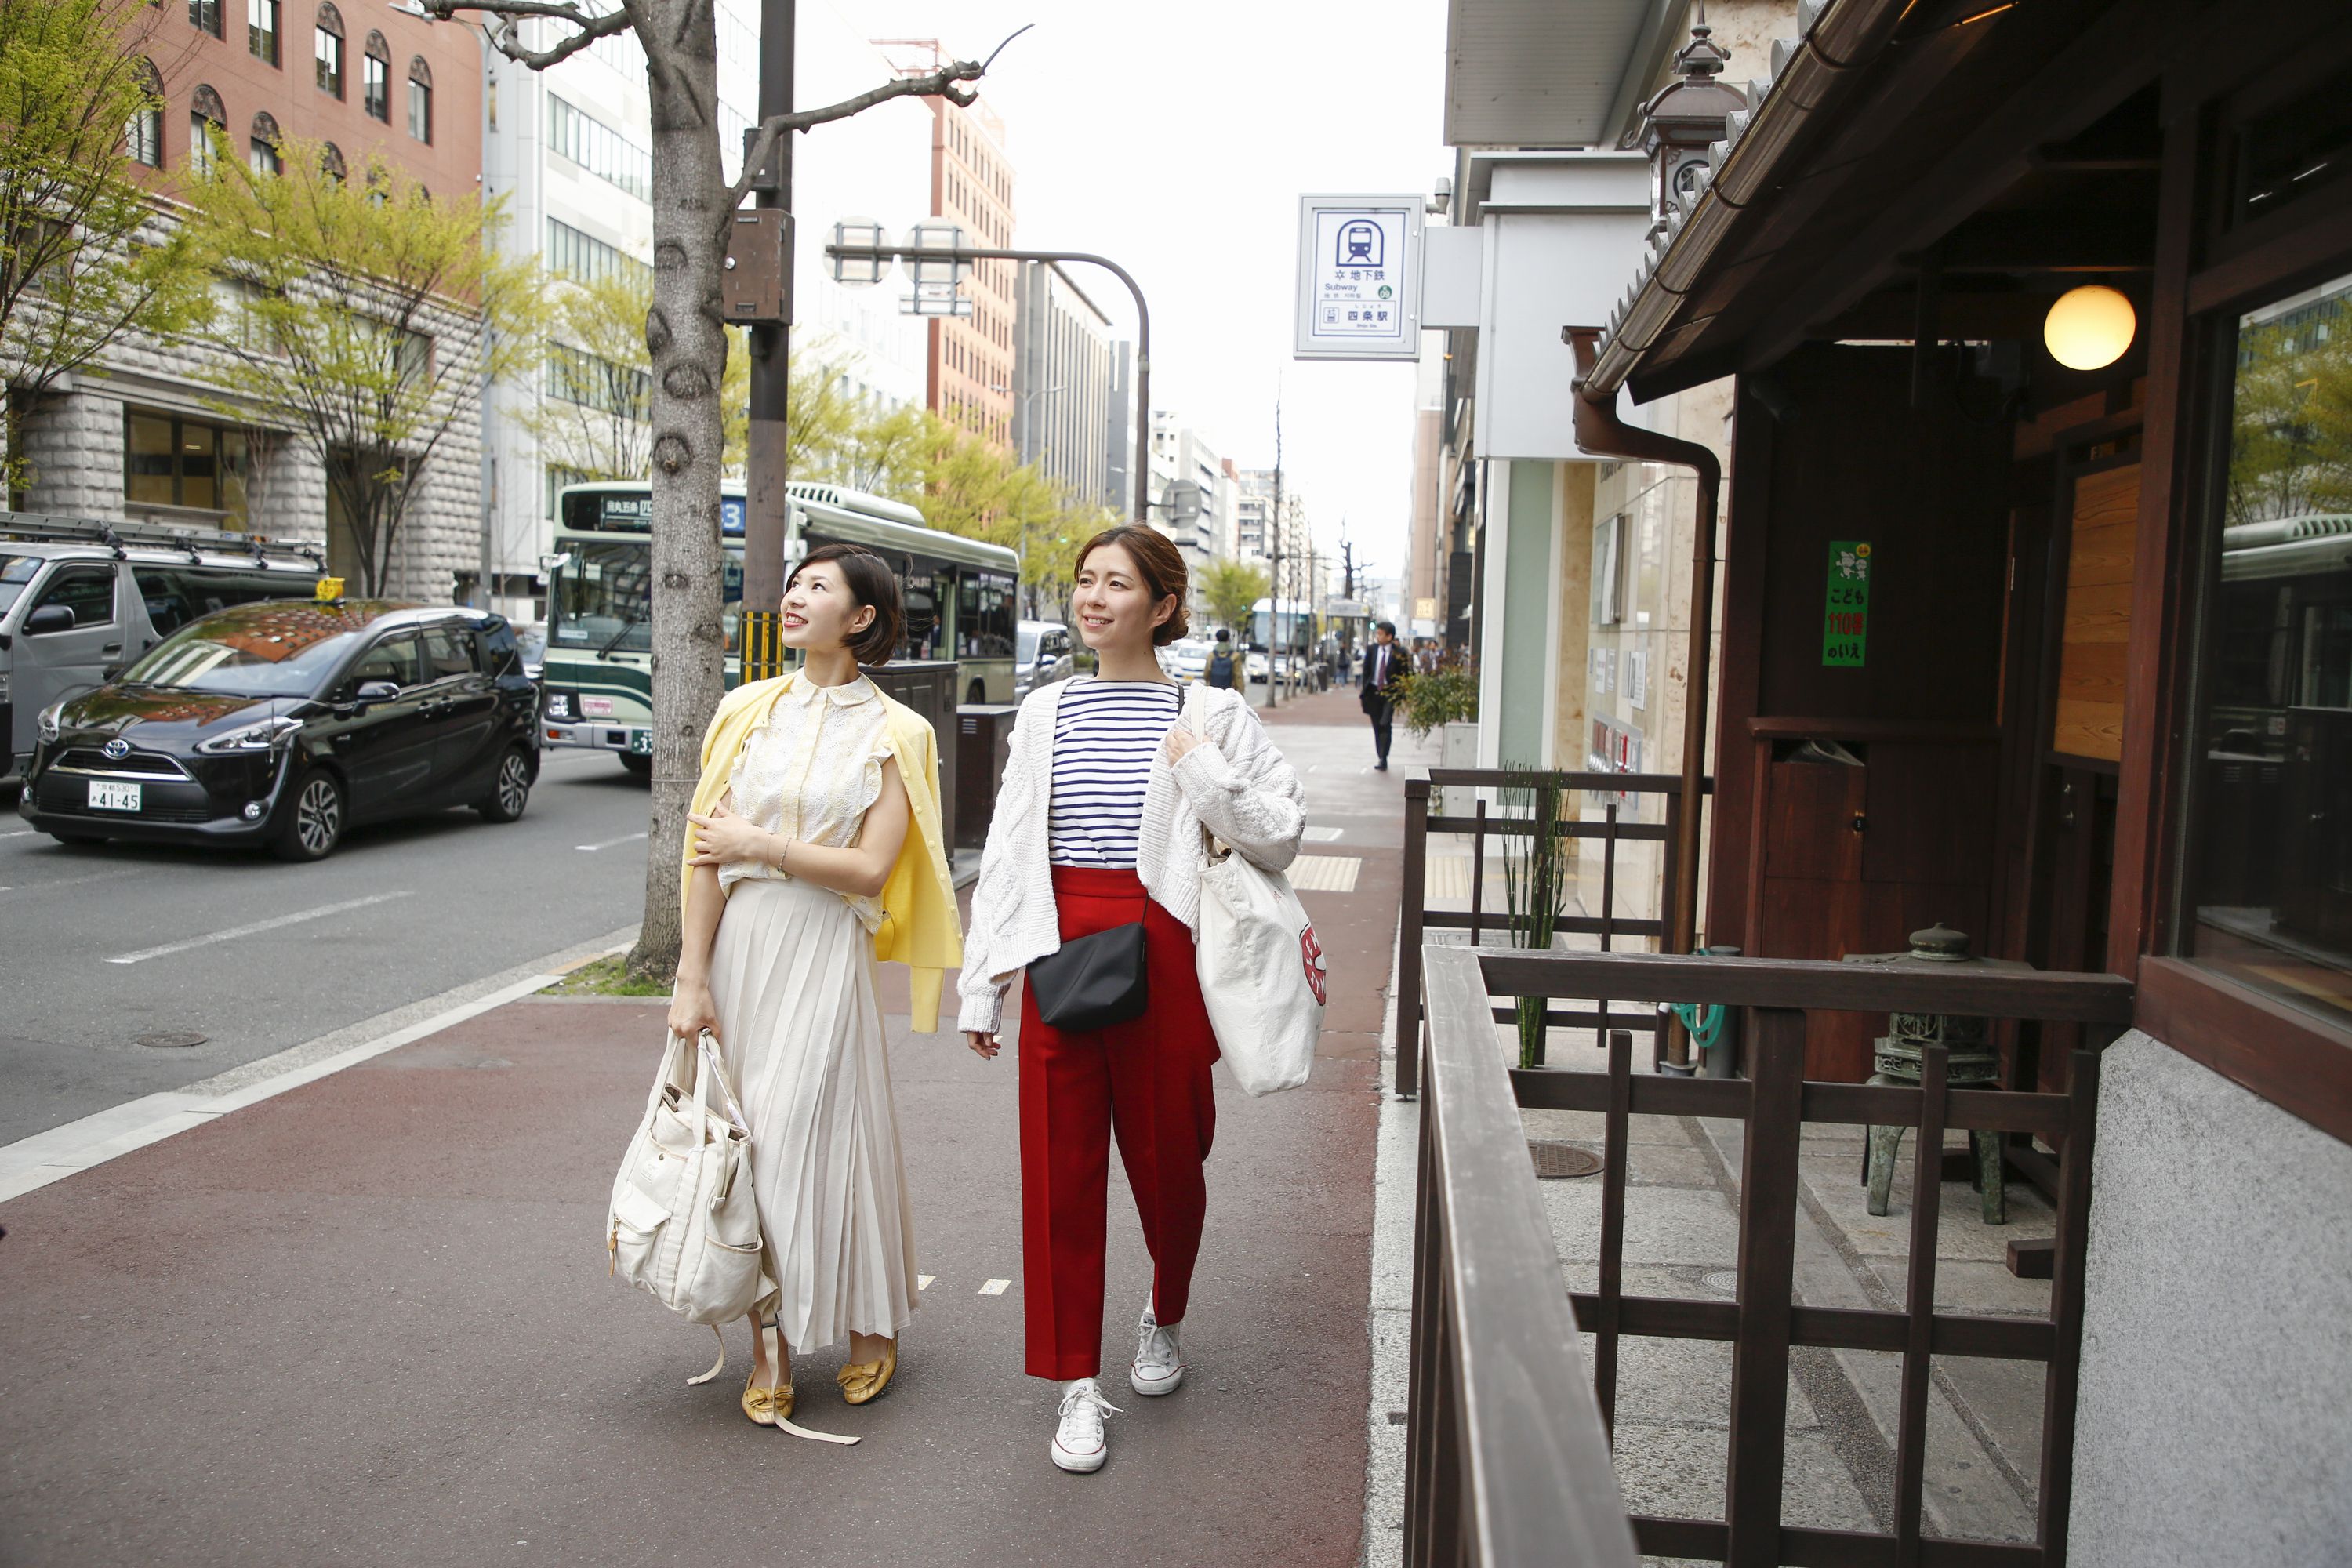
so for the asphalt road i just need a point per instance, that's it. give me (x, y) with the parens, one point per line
(99, 947)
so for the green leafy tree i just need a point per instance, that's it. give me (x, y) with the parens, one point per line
(596, 416)
(1233, 589)
(85, 260)
(366, 317)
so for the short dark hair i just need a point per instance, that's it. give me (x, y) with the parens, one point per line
(872, 585)
(1155, 560)
(1388, 626)
(1223, 635)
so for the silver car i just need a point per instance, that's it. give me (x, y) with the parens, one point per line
(1041, 655)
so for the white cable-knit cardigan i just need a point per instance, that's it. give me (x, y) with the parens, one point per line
(1234, 782)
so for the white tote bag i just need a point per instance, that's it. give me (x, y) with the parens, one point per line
(1261, 970)
(684, 1223)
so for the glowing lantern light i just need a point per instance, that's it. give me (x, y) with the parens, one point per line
(2089, 328)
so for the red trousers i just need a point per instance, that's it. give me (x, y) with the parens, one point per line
(1148, 1081)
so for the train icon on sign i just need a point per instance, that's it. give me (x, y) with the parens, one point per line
(1360, 245)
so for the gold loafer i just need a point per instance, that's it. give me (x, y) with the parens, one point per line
(862, 1380)
(767, 1407)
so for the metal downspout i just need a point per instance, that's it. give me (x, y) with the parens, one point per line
(1600, 432)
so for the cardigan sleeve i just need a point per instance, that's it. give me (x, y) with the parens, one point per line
(1247, 793)
(983, 991)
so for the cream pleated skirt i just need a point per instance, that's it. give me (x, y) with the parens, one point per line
(792, 974)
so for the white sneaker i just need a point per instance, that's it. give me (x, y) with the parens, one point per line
(1158, 1361)
(1078, 1442)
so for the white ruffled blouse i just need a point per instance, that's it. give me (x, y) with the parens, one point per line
(809, 772)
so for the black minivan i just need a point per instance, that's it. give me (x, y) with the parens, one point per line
(285, 722)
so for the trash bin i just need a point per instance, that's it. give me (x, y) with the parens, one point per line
(984, 743)
(929, 686)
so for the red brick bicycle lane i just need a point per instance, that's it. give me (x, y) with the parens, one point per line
(368, 1321)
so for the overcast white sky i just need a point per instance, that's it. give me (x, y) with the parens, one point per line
(1176, 140)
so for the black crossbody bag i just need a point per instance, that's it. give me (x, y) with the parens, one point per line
(1094, 981)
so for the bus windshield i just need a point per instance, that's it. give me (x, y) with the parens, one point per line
(604, 596)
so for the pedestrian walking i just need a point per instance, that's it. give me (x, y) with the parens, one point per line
(1221, 662)
(817, 808)
(1384, 683)
(1092, 871)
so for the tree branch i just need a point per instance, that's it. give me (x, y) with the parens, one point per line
(939, 83)
(507, 36)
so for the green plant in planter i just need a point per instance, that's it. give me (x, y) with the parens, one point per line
(1447, 695)
(1534, 885)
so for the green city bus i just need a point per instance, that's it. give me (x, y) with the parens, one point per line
(962, 601)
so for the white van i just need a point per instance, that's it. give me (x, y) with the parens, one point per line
(80, 599)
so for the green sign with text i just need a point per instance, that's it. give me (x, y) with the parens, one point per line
(1845, 622)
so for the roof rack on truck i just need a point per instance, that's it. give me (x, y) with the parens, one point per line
(118, 536)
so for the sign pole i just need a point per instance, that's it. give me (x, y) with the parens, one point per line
(767, 505)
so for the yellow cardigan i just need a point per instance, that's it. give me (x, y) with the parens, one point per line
(920, 927)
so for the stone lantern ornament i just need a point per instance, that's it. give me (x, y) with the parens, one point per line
(1688, 114)
(1975, 1061)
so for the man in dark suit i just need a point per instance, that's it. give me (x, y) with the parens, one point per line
(1385, 668)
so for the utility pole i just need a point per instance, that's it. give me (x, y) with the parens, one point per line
(1273, 606)
(768, 506)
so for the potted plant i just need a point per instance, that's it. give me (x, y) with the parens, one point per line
(1534, 885)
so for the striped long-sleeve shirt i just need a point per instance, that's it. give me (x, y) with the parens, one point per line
(1106, 733)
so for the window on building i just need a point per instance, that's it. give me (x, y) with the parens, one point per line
(204, 15)
(598, 148)
(332, 165)
(171, 461)
(142, 137)
(376, 79)
(261, 150)
(207, 117)
(327, 50)
(577, 376)
(261, 29)
(420, 100)
(584, 257)
(2268, 853)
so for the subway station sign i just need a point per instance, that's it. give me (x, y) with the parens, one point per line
(1358, 277)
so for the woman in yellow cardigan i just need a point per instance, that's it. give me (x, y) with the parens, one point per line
(814, 850)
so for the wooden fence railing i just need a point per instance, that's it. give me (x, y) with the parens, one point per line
(1467, 1464)
(1610, 829)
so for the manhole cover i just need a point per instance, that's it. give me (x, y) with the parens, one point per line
(1725, 1281)
(173, 1039)
(1554, 1159)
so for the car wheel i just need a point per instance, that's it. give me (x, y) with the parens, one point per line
(510, 791)
(639, 767)
(315, 825)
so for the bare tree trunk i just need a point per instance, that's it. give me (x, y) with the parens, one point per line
(686, 338)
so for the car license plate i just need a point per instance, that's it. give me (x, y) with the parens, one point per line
(109, 796)
(641, 742)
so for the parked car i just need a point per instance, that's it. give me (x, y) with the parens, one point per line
(1042, 654)
(285, 723)
(1186, 658)
(81, 600)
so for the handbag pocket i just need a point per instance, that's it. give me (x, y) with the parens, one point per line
(637, 1222)
(1094, 981)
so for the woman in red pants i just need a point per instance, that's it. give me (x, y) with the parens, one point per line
(1112, 779)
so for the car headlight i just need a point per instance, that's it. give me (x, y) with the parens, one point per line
(559, 705)
(258, 737)
(45, 723)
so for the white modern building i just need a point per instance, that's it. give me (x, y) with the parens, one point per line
(1066, 384)
(1194, 493)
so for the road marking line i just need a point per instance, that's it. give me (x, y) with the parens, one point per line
(1322, 835)
(995, 1287)
(609, 843)
(72, 882)
(923, 1282)
(20, 833)
(258, 927)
